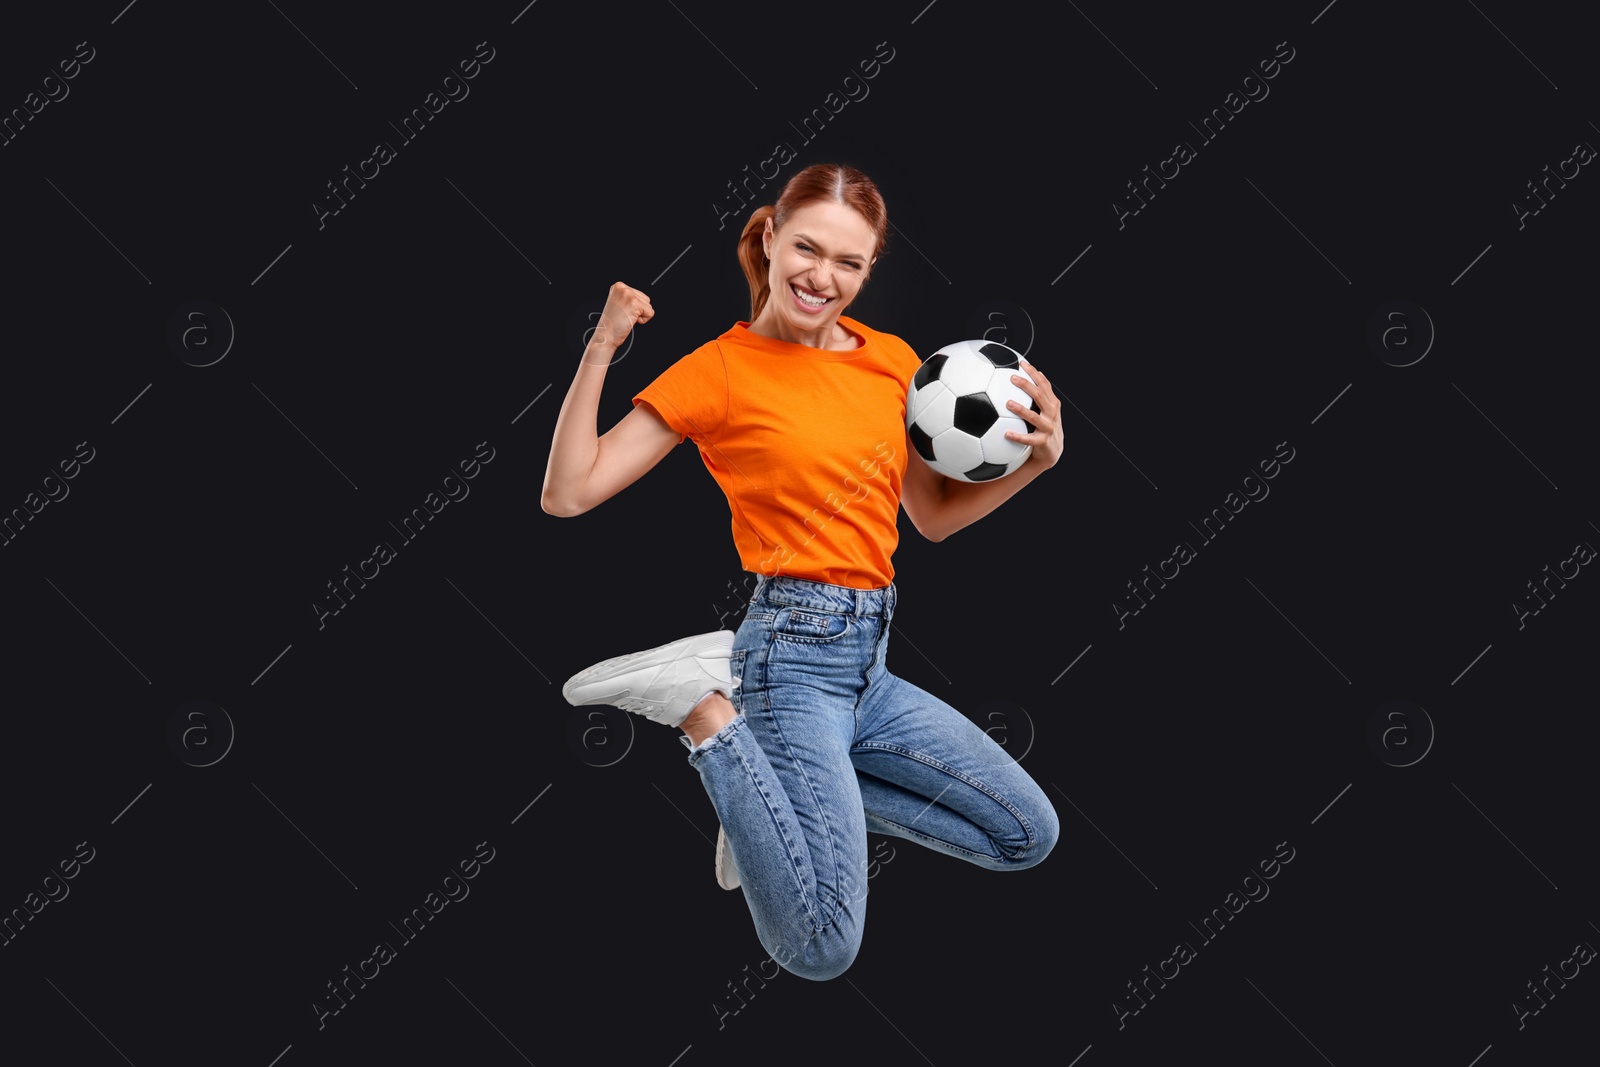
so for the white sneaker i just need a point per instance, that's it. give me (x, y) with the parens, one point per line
(662, 684)
(727, 873)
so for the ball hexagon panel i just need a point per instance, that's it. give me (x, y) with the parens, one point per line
(966, 371)
(957, 450)
(1003, 389)
(932, 408)
(997, 448)
(1000, 355)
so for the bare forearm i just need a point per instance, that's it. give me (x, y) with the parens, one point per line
(964, 503)
(576, 442)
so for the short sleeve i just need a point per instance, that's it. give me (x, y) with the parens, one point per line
(903, 358)
(692, 395)
(910, 362)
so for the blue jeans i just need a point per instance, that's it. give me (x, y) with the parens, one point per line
(828, 745)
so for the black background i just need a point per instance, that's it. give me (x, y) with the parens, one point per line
(372, 354)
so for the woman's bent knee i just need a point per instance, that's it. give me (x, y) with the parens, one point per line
(824, 965)
(825, 955)
(1044, 827)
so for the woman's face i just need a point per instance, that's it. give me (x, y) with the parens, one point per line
(819, 260)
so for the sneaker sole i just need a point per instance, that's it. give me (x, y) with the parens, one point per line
(727, 875)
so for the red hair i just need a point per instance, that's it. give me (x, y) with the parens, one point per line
(821, 181)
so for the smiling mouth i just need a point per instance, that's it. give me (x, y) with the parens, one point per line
(808, 300)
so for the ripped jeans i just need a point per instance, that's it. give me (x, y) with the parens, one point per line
(828, 745)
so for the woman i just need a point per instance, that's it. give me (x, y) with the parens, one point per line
(803, 739)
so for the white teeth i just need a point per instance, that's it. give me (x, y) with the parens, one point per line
(814, 301)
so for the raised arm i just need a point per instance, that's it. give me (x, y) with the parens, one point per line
(584, 469)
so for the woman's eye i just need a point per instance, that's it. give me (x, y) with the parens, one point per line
(803, 248)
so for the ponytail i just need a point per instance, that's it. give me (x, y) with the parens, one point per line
(753, 258)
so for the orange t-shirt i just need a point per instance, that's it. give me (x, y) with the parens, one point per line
(808, 445)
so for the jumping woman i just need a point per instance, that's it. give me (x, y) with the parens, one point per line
(802, 737)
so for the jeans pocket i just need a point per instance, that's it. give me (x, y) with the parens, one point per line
(809, 627)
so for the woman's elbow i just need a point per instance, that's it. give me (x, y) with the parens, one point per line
(564, 509)
(928, 530)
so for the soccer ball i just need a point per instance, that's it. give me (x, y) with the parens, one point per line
(957, 416)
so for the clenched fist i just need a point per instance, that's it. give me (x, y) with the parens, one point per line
(624, 308)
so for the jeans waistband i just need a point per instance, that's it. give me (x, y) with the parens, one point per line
(803, 592)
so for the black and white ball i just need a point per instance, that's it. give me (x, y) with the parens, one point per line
(957, 416)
